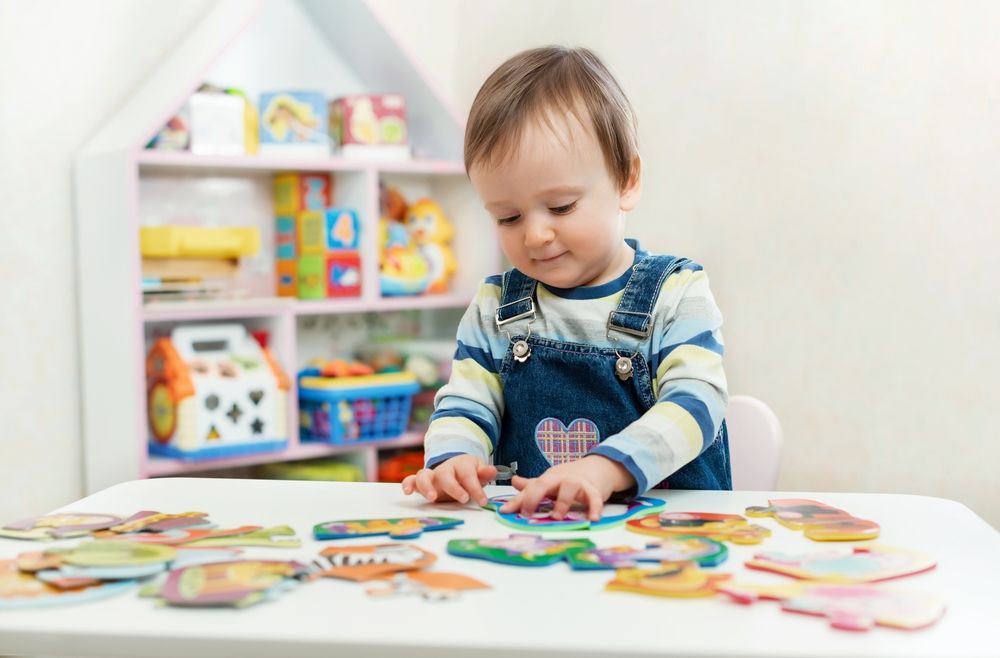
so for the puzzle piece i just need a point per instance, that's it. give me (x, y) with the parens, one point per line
(858, 564)
(398, 528)
(360, 563)
(706, 552)
(149, 521)
(58, 526)
(19, 589)
(676, 579)
(518, 550)
(818, 521)
(848, 607)
(239, 583)
(430, 585)
(613, 514)
(720, 527)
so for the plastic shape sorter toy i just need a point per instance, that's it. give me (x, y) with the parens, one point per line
(214, 392)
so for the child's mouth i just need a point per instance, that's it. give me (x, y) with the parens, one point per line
(551, 260)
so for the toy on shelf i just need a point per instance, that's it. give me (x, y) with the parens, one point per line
(431, 231)
(338, 403)
(848, 607)
(720, 527)
(214, 392)
(193, 261)
(213, 121)
(399, 528)
(317, 245)
(294, 123)
(613, 514)
(416, 255)
(860, 564)
(370, 126)
(395, 468)
(675, 579)
(818, 521)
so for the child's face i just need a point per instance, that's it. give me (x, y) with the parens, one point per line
(559, 212)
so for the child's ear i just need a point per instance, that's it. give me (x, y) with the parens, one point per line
(633, 186)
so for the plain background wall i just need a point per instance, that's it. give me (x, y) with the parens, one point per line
(833, 165)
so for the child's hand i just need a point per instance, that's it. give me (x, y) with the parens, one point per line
(590, 480)
(458, 478)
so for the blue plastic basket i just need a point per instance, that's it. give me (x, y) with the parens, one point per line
(350, 409)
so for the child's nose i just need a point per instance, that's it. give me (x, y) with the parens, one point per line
(537, 233)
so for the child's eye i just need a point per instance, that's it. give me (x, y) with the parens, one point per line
(562, 210)
(503, 221)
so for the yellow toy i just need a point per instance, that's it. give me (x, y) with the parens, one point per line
(215, 392)
(431, 231)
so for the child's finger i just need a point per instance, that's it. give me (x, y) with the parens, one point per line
(568, 492)
(519, 482)
(447, 483)
(532, 495)
(591, 497)
(425, 484)
(408, 484)
(468, 478)
(486, 473)
(511, 505)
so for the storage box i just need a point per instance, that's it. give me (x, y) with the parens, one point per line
(370, 126)
(294, 123)
(348, 409)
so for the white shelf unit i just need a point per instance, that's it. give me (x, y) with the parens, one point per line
(120, 186)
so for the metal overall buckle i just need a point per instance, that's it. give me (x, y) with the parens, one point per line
(623, 365)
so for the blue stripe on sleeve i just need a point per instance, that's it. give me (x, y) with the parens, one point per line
(477, 354)
(698, 410)
(491, 431)
(705, 339)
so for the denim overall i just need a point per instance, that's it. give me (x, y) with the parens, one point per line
(563, 398)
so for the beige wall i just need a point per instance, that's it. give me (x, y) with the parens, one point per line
(832, 164)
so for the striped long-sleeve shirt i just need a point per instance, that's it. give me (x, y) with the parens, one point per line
(684, 352)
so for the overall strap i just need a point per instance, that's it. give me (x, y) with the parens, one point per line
(517, 298)
(634, 315)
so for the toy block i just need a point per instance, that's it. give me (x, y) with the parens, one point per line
(312, 277)
(287, 271)
(284, 238)
(343, 228)
(343, 274)
(296, 192)
(311, 230)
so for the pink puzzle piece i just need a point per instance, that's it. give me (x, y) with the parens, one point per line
(848, 607)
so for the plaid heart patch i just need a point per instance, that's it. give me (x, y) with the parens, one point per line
(561, 444)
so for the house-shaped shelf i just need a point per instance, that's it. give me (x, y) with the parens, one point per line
(334, 46)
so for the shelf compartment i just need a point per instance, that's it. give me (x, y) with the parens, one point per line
(151, 161)
(158, 467)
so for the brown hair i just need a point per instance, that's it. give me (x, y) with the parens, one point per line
(533, 82)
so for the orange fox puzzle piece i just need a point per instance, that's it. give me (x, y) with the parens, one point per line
(720, 527)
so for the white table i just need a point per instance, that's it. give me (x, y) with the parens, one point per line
(547, 611)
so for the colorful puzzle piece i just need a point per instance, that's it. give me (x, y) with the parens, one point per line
(818, 521)
(863, 564)
(677, 579)
(518, 550)
(430, 585)
(720, 527)
(279, 536)
(400, 528)
(848, 607)
(58, 526)
(239, 583)
(149, 521)
(19, 589)
(613, 514)
(702, 550)
(360, 563)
